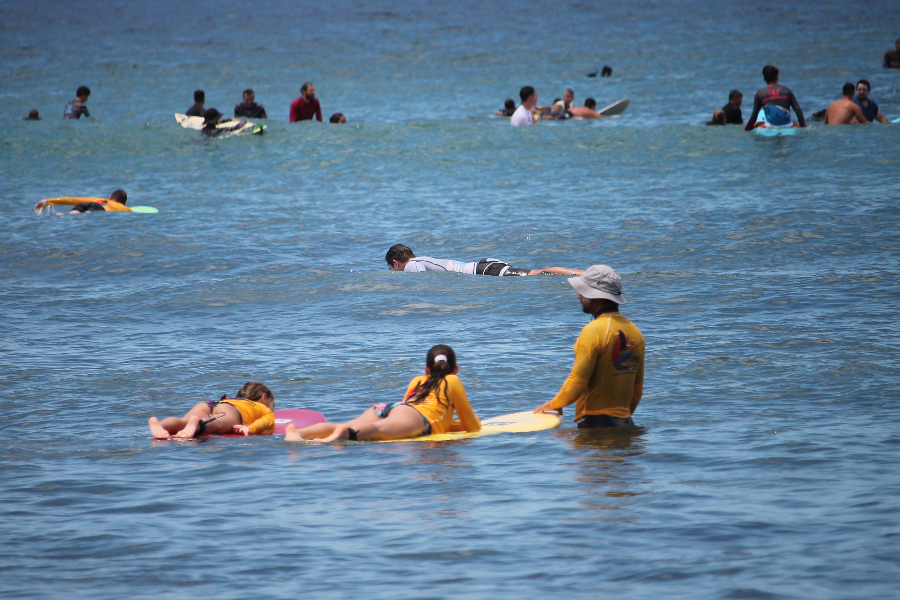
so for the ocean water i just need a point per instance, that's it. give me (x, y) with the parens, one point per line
(763, 273)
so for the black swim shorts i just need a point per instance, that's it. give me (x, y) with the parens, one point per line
(603, 421)
(492, 266)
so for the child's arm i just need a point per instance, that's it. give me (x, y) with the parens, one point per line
(264, 425)
(467, 419)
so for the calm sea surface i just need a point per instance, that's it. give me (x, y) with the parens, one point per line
(763, 273)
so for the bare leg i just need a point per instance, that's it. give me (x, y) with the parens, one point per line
(220, 422)
(324, 430)
(403, 422)
(556, 271)
(157, 430)
(176, 424)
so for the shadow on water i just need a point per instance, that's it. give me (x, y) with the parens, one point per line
(606, 465)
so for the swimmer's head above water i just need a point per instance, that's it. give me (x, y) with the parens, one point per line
(398, 256)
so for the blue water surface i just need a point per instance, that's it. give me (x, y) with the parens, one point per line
(763, 273)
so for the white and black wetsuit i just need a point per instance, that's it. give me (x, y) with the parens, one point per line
(777, 101)
(486, 266)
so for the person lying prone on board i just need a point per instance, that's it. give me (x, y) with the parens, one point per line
(115, 203)
(427, 408)
(401, 258)
(250, 412)
(213, 118)
(588, 111)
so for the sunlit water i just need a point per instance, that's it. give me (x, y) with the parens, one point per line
(763, 273)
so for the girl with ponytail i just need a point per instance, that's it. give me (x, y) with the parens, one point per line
(427, 408)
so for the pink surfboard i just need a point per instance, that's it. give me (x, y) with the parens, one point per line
(300, 417)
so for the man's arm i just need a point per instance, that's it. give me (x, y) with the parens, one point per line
(262, 113)
(857, 112)
(636, 395)
(880, 118)
(796, 106)
(318, 111)
(751, 122)
(293, 114)
(576, 384)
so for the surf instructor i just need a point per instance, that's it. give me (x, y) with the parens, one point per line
(776, 101)
(607, 380)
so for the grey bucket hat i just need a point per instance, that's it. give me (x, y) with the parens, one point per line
(599, 281)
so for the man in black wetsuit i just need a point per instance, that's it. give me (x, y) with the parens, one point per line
(776, 100)
(197, 109)
(892, 57)
(248, 108)
(732, 110)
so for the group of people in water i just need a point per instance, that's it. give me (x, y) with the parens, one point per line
(562, 108)
(606, 381)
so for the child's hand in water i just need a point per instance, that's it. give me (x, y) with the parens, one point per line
(242, 429)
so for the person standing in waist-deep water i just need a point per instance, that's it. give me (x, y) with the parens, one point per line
(197, 109)
(718, 118)
(869, 108)
(892, 57)
(732, 110)
(776, 100)
(522, 116)
(248, 108)
(607, 379)
(76, 107)
(307, 105)
(845, 111)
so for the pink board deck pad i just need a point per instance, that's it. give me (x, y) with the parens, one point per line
(300, 417)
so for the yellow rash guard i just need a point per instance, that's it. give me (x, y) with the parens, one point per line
(108, 205)
(255, 415)
(609, 363)
(439, 405)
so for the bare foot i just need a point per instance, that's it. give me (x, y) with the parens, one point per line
(340, 433)
(292, 434)
(157, 431)
(190, 429)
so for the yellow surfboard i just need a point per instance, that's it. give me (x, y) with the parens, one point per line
(520, 422)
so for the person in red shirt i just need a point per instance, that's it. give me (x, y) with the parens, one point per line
(307, 105)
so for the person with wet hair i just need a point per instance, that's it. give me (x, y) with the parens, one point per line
(401, 258)
(77, 107)
(776, 101)
(867, 105)
(248, 108)
(509, 107)
(588, 111)
(892, 57)
(250, 412)
(426, 408)
(338, 118)
(306, 106)
(115, 203)
(522, 115)
(33, 115)
(845, 111)
(718, 118)
(197, 109)
(732, 110)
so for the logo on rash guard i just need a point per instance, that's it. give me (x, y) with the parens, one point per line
(622, 353)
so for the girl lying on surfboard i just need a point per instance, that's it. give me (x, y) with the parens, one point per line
(248, 413)
(426, 408)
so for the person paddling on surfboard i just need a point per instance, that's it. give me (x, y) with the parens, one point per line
(115, 203)
(427, 408)
(607, 379)
(250, 412)
(776, 101)
(588, 111)
(401, 258)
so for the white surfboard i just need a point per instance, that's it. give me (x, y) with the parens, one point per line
(616, 108)
(196, 123)
(189, 122)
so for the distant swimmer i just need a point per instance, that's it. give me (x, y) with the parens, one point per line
(115, 203)
(892, 57)
(845, 111)
(338, 118)
(523, 116)
(588, 111)
(33, 115)
(718, 118)
(509, 107)
(732, 110)
(427, 408)
(76, 107)
(248, 108)
(607, 380)
(307, 105)
(250, 412)
(401, 258)
(869, 108)
(776, 101)
(197, 109)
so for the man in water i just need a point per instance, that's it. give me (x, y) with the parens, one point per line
(401, 258)
(607, 380)
(560, 110)
(248, 108)
(776, 100)
(197, 109)
(522, 116)
(845, 111)
(869, 108)
(33, 115)
(732, 110)
(892, 57)
(588, 111)
(116, 203)
(76, 107)
(307, 105)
